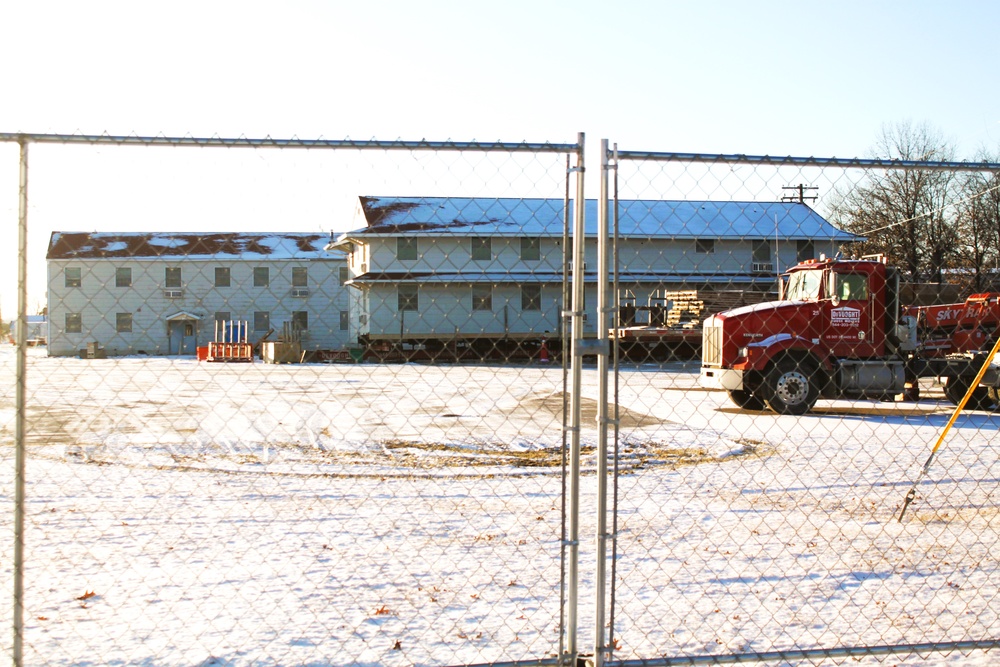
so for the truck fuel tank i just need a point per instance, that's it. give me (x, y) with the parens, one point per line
(872, 377)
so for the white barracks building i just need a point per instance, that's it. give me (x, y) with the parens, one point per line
(162, 293)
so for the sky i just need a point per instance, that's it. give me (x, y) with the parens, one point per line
(774, 78)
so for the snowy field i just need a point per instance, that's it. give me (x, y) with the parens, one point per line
(186, 513)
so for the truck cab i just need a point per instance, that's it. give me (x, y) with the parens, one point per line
(847, 298)
(834, 330)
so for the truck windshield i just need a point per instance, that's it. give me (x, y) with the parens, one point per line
(804, 285)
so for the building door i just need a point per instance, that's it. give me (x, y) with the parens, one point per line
(182, 337)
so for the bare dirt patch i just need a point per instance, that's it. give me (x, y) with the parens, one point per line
(554, 405)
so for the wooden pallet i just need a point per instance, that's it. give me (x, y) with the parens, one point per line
(230, 352)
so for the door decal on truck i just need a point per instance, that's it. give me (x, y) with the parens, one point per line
(845, 317)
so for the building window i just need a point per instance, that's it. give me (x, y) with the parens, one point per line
(172, 276)
(123, 322)
(804, 250)
(531, 249)
(300, 276)
(345, 320)
(222, 277)
(482, 249)
(74, 323)
(406, 248)
(123, 277)
(704, 246)
(73, 276)
(482, 297)
(223, 316)
(300, 320)
(261, 320)
(261, 276)
(407, 298)
(345, 275)
(531, 297)
(761, 252)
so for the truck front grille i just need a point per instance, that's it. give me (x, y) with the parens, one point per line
(711, 343)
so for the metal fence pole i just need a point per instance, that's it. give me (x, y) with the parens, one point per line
(19, 407)
(614, 351)
(576, 383)
(564, 335)
(600, 566)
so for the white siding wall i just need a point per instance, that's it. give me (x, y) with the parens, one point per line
(447, 309)
(450, 254)
(730, 257)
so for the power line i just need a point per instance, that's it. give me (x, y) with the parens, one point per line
(932, 212)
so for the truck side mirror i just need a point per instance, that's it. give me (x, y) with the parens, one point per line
(831, 288)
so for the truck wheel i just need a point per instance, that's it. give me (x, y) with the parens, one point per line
(746, 399)
(791, 388)
(983, 398)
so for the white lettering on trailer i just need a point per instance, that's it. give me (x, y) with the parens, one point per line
(950, 314)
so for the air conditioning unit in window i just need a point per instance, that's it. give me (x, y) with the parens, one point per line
(173, 293)
(300, 291)
(763, 267)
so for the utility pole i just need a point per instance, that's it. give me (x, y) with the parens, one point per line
(801, 190)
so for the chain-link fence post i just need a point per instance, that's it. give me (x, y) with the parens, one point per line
(576, 388)
(603, 325)
(19, 401)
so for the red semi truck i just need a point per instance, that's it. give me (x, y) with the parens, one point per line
(838, 330)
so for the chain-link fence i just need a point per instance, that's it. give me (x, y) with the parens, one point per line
(768, 522)
(251, 441)
(481, 421)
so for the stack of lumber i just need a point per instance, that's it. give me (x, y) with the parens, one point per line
(718, 301)
(687, 309)
(684, 309)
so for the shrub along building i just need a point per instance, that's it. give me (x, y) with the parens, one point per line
(162, 293)
(483, 272)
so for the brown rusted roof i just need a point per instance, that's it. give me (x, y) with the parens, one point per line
(225, 245)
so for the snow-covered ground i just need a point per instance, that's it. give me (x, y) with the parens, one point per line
(186, 513)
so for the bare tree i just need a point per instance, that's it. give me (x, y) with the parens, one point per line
(906, 214)
(986, 191)
(978, 223)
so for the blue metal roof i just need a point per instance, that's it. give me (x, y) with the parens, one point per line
(476, 216)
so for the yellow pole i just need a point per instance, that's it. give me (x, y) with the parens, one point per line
(958, 409)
